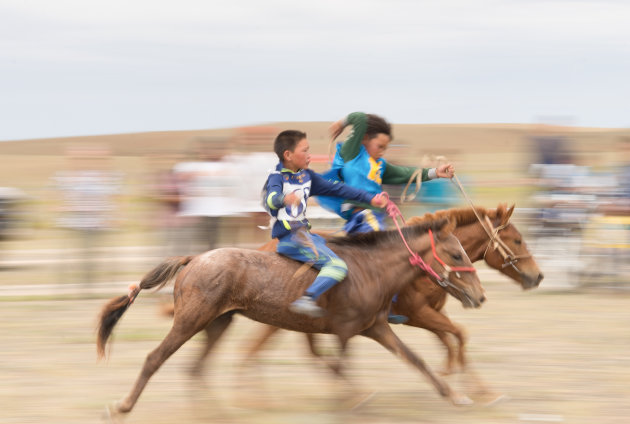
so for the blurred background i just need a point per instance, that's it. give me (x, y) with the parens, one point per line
(72, 207)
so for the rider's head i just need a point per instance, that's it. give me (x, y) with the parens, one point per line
(378, 134)
(292, 149)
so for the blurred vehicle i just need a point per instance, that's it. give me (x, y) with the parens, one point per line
(581, 239)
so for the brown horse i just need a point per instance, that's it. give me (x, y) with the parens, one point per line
(423, 302)
(211, 287)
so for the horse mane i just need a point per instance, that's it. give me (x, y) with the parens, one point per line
(378, 237)
(461, 216)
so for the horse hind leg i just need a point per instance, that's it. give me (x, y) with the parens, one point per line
(213, 331)
(185, 325)
(171, 343)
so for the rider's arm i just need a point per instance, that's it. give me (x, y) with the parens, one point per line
(395, 174)
(323, 187)
(275, 196)
(351, 147)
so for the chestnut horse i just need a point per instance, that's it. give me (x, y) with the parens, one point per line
(422, 302)
(211, 287)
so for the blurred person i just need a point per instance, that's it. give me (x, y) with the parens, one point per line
(623, 173)
(557, 174)
(359, 163)
(88, 189)
(618, 203)
(10, 199)
(208, 182)
(286, 195)
(250, 152)
(167, 191)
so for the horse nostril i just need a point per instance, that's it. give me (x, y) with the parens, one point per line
(540, 278)
(483, 299)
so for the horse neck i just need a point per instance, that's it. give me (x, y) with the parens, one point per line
(474, 240)
(421, 244)
(389, 262)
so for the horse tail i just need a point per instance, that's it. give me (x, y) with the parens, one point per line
(115, 308)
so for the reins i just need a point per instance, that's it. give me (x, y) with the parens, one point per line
(416, 259)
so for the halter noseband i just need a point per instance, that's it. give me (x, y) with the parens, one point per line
(509, 258)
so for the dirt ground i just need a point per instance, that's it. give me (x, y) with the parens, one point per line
(556, 356)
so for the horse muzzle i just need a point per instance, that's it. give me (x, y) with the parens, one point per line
(529, 282)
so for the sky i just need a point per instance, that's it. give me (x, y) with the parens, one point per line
(78, 68)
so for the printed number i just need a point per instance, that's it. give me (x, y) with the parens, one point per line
(296, 211)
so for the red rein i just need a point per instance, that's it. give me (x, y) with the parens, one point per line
(415, 259)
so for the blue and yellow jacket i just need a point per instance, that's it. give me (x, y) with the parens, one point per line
(353, 165)
(306, 183)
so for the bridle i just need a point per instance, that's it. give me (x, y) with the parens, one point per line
(509, 258)
(415, 258)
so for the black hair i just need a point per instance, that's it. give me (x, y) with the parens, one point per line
(287, 140)
(377, 125)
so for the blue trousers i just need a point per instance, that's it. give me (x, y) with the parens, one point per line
(365, 221)
(311, 248)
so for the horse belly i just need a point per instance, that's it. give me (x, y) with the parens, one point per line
(287, 320)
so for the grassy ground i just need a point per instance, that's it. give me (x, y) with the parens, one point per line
(560, 357)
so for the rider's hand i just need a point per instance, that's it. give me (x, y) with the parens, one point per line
(445, 171)
(380, 200)
(292, 199)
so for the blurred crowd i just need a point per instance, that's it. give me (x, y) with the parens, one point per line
(208, 195)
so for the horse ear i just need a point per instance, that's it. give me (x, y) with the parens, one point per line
(508, 214)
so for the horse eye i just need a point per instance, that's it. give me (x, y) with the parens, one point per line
(518, 242)
(456, 256)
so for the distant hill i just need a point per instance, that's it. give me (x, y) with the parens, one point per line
(497, 153)
(433, 138)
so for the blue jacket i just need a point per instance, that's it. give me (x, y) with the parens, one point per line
(306, 183)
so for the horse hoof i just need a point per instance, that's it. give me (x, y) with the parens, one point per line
(445, 372)
(496, 398)
(356, 400)
(111, 414)
(461, 400)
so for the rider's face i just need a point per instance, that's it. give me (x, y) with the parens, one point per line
(377, 146)
(299, 158)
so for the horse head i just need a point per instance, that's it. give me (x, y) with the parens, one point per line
(509, 254)
(449, 260)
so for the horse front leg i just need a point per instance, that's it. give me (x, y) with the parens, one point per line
(383, 334)
(439, 324)
(259, 342)
(334, 363)
(213, 331)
